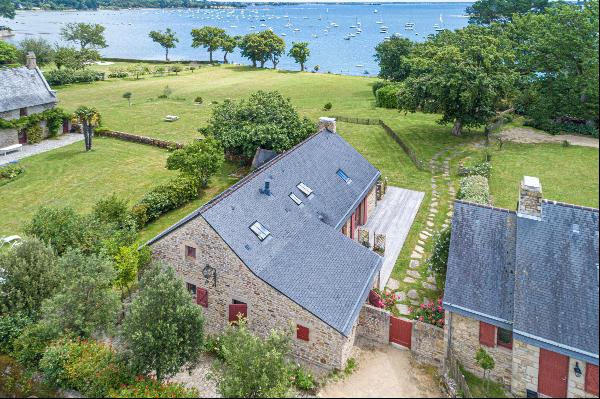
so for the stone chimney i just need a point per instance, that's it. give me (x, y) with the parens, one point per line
(530, 198)
(31, 62)
(326, 123)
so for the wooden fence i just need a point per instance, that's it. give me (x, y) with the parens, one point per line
(405, 147)
(452, 367)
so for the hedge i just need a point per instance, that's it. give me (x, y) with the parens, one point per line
(475, 188)
(59, 77)
(560, 128)
(165, 198)
(387, 97)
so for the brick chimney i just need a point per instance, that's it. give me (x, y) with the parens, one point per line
(31, 62)
(530, 198)
(327, 123)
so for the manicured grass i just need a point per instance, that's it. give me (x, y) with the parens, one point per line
(69, 176)
(567, 174)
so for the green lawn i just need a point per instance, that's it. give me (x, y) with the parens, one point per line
(481, 388)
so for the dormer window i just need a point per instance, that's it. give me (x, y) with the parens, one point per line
(304, 189)
(261, 232)
(295, 198)
(344, 176)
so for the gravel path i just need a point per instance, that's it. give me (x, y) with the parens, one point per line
(199, 378)
(530, 136)
(46, 145)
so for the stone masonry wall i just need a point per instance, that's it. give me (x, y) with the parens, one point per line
(576, 385)
(8, 137)
(465, 343)
(374, 325)
(268, 309)
(427, 343)
(371, 201)
(525, 368)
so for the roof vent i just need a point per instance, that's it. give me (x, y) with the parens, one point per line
(266, 190)
(576, 229)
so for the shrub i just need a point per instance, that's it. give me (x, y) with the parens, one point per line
(169, 196)
(559, 128)
(29, 347)
(34, 134)
(198, 160)
(431, 313)
(89, 367)
(10, 171)
(119, 74)
(388, 298)
(378, 85)
(112, 210)
(59, 77)
(198, 100)
(474, 189)
(139, 212)
(387, 97)
(11, 327)
(150, 388)
(303, 379)
(438, 262)
(327, 107)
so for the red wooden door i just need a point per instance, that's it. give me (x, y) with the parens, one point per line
(553, 374)
(22, 137)
(400, 331)
(65, 126)
(237, 309)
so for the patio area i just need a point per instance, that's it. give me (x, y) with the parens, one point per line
(45, 145)
(393, 216)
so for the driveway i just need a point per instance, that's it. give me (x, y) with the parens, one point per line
(385, 373)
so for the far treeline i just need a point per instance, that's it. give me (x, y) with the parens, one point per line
(536, 58)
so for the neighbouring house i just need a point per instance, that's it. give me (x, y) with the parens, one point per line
(278, 248)
(524, 286)
(23, 92)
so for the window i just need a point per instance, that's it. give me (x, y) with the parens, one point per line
(23, 112)
(505, 338)
(190, 252)
(487, 334)
(305, 189)
(344, 176)
(260, 231)
(191, 289)
(302, 333)
(591, 379)
(295, 198)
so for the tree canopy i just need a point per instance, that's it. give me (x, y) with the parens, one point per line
(209, 37)
(485, 12)
(166, 39)
(87, 36)
(228, 45)
(8, 53)
(43, 50)
(198, 160)
(261, 47)
(392, 56)
(265, 119)
(300, 53)
(7, 9)
(463, 75)
(275, 46)
(163, 330)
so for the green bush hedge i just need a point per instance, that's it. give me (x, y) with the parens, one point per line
(474, 188)
(387, 97)
(59, 77)
(378, 85)
(165, 198)
(150, 388)
(560, 128)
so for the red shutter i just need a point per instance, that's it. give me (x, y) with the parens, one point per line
(591, 379)
(352, 224)
(202, 296)
(235, 310)
(302, 332)
(487, 334)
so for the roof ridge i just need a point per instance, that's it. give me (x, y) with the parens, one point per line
(586, 208)
(495, 208)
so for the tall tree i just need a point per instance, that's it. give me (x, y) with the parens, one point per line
(557, 57)
(89, 118)
(484, 12)
(163, 329)
(166, 39)
(300, 53)
(87, 36)
(8, 53)
(43, 50)
(255, 49)
(274, 46)
(7, 9)
(392, 56)
(209, 37)
(198, 160)
(228, 45)
(464, 75)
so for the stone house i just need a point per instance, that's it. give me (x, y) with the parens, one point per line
(524, 286)
(23, 92)
(277, 247)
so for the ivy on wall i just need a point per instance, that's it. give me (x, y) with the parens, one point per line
(54, 118)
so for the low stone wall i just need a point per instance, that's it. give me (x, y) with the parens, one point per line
(373, 325)
(427, 343)
(138, 139)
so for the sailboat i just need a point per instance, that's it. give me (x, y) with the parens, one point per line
(439, 27)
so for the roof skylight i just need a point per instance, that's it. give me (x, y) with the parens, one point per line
(344, 176)
(305, 189)
(260, 231)
(295, 198)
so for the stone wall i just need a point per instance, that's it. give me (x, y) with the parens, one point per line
(268, 309)
(374, 325)
(427, 343)
(465, 343)
(576, 385)
(8, 137)
(371, 202)
(525, 368)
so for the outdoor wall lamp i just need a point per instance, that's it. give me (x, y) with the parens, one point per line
(210, 272)
(577, 370)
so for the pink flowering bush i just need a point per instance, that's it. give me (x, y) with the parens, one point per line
(383, 299)
(432, 313)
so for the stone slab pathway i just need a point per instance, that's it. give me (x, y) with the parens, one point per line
(46, 145)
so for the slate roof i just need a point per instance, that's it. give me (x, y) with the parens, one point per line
(553, 303)
(23, 87)
(305, 257)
